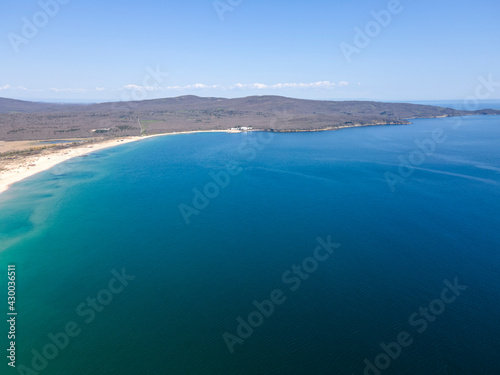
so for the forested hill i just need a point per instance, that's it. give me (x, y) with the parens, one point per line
(23, 120)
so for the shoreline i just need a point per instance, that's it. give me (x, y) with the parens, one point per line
(29, 166)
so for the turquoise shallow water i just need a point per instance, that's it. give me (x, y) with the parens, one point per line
(67, 229)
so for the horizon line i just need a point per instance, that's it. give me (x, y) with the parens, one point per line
(98, 101)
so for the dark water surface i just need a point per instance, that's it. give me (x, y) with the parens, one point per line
(410, 223)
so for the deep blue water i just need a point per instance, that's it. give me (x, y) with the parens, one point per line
(437, 219)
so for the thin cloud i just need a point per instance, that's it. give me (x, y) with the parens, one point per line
(67, 90)
(141, 88)
(202, 86)
(258, 86)
(52, 89)
(18, 88)
(292, 85)
(195, 86)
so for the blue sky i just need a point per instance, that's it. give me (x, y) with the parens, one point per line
(117, 50)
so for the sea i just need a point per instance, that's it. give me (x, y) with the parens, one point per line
(371, 250)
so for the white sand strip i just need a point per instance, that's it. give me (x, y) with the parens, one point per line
(28, 166)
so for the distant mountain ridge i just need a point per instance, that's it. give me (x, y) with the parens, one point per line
(23, 120)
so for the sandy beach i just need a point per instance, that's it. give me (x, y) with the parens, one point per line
(24, 167)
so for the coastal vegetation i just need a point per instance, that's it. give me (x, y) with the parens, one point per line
(21, 120)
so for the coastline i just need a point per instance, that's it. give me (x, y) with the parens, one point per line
(25, 167)
(28, 166)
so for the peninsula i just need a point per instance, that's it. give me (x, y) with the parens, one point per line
(36, 136)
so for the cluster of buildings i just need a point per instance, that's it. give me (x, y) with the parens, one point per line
(241, 128)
